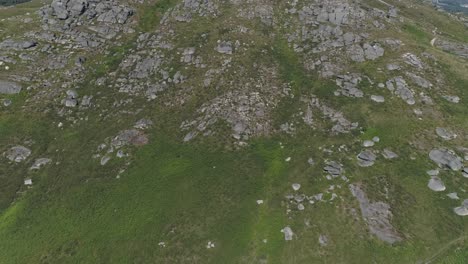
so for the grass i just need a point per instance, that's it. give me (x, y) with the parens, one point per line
(151, 14)
(181, 191)
(188, 194)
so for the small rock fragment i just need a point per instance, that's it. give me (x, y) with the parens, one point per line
(453, 196)
(104, 160)
(296, 186)
(368, 143)
(388, 154)
(377, 98)
(288, 233)
(452, 98)
(210, 245)
(323, 240)
(39, 163)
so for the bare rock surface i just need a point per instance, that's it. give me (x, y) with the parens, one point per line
(17, 153)
(377, 215)
(7, 87)
(446, 158)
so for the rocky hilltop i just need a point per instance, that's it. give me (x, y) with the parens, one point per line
(208, 131)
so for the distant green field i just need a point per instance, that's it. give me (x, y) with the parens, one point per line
(12, 2)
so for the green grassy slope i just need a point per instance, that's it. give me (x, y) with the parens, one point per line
(188, 194)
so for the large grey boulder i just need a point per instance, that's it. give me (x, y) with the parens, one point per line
(413, 60)
(446, 158)
(399, 87)
(17, 153)
(59, 9)
(436, 184)
(17, 45)
(463, 209)
(64, 9)
(224, 47)
(420, 81)
(373, 52)
(333, 168)
(366, 158)
(445, 133)
(356, 53)
(465, 172)
(130, 137)
(117, 14)
(377, 215)
(7, 87)
(348, 84)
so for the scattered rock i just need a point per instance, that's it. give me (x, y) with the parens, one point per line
(7, 87)
(190, 136)
(130, 137)
(377, 215)
(17, 45)
(28, 182)
(17, 153)
(7, 102)
(72, 99)
(377, 98)
(333, 168)
(323, 240)
(388, 154)
(296, 186)
(393, 67)
(300, 207)
(453, 196)
(224, 47)
(104, 160)
(463, 209)
(373, 52)
(366, 158)
(420, 81)
(348, 85)
(436, 184)
(446, 158)
(399, 87)
(465, 172)
(40, 163)
(143, 124)
(452, 98)
(413, 60)
(368, 143)
(445, 133)
(210, 245)
(288, 233)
